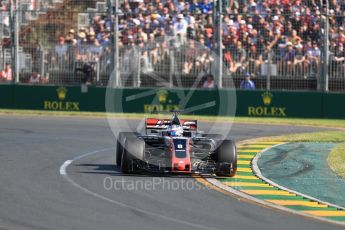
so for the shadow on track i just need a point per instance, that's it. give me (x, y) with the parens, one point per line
(114, 170)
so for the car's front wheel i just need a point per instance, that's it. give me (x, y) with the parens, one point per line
(226, 158)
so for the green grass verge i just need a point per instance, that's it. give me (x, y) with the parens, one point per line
(336, 158)
(332, 123)
(324, 136)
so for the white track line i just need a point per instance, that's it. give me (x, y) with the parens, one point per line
(64, 174)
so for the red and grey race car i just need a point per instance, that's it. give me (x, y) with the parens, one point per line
(175, 145)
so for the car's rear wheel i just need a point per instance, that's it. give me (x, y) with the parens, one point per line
(133, 153)
(226, 158)
(120, 143)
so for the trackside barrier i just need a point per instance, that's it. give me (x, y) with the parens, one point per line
(249, 103)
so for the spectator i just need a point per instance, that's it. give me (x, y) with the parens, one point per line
(61, 48)
(152, 48)
(238, 57)
(209, 82)
(206, 7)
(189, 57)
(105, 41)
(204, 61)
(6, 74)
(299, 61)
(59, 57)
(194, 5)
(70, 37)
(251, 30)
(35, 78)
(247, 83)
(254, 60)
(289, 59)
(181, 28)
(313, 58)
(338, 61)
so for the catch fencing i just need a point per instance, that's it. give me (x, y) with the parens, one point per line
(59, 42)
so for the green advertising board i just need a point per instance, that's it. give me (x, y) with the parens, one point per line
(279, 104)
(53, 98)
(200, 102)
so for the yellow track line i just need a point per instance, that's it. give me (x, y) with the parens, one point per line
(267, 192)
(244, 177)
(244, 170)
(253, 146)
(325, 213)
(249, 151)
(298, 203)
(270, 143)
(241, 162)
(245, 156)
(242, 184)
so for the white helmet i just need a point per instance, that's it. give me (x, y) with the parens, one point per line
(175, 130)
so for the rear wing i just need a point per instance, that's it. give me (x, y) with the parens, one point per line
(161, 124)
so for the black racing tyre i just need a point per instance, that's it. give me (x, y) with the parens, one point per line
(227, 153)
(125, 163)
(119, 151)
(120, 143)
(133, 151)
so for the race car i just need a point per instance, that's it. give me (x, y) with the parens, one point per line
(175, 146)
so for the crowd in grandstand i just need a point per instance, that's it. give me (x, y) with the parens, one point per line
(288, 32)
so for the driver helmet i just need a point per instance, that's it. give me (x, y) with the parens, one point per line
(175, 130)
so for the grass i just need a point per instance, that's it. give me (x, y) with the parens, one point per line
(331, 123)
(336, 158)
(324, 136)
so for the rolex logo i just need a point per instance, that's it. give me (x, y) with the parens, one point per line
(267, 98)
(162, 96)
(61, 92)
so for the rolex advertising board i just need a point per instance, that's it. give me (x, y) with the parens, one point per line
(256, 103)
(278, 104)
(61, 103)
(166, 100)
(58, 98)
(266, 109)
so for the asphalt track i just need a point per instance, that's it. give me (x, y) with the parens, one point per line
(34, 195)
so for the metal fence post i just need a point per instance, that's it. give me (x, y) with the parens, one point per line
(326, 50)
(319, 77)
(2, 65)
(220, 44)
(116, 44)
(12, 32)
(268, 80)
(171, 68)
(16, 40)
(137, 54)
(42, 61)
(217, 17)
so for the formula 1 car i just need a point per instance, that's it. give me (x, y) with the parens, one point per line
(176, 146)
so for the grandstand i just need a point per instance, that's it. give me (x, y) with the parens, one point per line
(71, 41)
